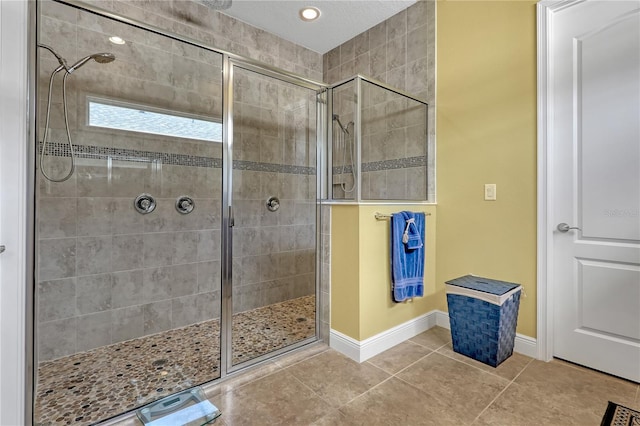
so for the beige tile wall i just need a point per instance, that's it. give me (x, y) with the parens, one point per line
(400, 52)
(274, 252)
(325, 275)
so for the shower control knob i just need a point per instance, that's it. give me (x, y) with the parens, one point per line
(184, 204)
(144, 203)
(273, 204)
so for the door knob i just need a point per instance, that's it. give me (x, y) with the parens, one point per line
(2, 248)
(564, 227)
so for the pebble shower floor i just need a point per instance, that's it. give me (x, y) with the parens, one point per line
(88, 387)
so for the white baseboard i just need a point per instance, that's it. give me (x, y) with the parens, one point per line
(361, 351)
(442, 320)
(526, 345)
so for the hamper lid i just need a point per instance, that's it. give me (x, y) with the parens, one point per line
(485, 285)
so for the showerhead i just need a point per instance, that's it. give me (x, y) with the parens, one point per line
(61, 60)
(104, 58)
(101, 58)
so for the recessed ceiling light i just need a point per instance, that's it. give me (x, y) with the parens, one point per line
(116, 40)
(309, 13)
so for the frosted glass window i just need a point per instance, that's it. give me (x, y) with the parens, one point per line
(137, 118)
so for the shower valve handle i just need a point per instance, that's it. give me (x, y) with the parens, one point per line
(184, 204)
(273, 204)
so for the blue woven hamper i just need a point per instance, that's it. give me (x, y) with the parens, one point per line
(483, 314)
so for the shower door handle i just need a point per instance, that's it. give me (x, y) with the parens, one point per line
(232, 221)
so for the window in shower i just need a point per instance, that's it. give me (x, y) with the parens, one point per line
(119, 115)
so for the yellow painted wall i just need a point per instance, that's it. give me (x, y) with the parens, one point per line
(486, 133)
(345, 272)
(377, 311)
(361, 304)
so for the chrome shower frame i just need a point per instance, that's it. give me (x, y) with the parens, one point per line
(230, 61)
(357, 80)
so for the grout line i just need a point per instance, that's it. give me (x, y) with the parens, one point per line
(409, 384)
(358, 396)
(312, 391)
(414, 363)
(304, 359)
(367, 391)
(425, 346)
(278, 368)
(492, 401)
(466, 362)
(502, 391)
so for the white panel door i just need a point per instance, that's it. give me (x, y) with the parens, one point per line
(595, 134)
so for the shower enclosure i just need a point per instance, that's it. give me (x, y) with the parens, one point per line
(183, 244)
(379, 149)
(177, 200)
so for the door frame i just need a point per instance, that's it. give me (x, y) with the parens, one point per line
(230, 63)
(545, 250)
(17, 76)
(546, 9)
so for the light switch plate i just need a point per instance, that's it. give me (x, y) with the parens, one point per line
(490, 192)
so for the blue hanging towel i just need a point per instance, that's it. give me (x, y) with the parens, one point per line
(407, 255)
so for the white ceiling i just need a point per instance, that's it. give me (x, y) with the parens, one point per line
(339, 21)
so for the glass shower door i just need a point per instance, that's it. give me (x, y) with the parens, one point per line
(128, 247)
(274, 204)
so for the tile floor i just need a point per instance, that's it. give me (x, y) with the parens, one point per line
(419, 382)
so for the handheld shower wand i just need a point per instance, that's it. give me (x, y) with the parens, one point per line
(344, 142)
(101, 58)
(61, 60)
(336, 117)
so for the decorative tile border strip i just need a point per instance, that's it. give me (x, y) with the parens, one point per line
(375, 166)
(271, 167)
(134, 155)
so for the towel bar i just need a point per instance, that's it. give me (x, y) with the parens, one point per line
(383, 216)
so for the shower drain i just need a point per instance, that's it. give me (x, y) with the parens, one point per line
(159, 362)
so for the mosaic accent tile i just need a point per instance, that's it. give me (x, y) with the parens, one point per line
(88, 387)
(400, 163)
(122, 154)
(270, 167)
(374, 166)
